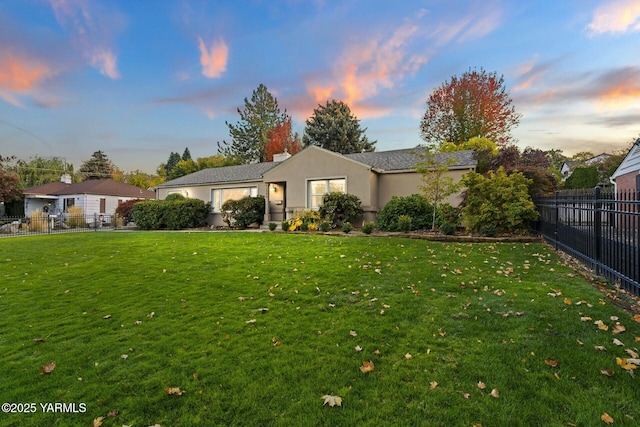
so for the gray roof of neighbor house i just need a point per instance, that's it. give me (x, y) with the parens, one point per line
(100, 187)
(394, 160)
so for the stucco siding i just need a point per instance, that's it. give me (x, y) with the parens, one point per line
(408, 183)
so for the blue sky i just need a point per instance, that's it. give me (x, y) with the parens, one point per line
(140, 79)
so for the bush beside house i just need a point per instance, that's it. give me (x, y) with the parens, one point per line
(172, 214)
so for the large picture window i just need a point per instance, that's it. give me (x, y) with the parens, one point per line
(221, 195)
(317, 188)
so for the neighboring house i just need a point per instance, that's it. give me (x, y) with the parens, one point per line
(298, 182)
(568, 167)
(95, 197)
(627, 176)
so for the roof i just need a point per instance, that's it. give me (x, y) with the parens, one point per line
(100, 187)
(394, 160)
(225, 174)
(406, 159)
(631, 162)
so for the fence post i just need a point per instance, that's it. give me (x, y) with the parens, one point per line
(597, 225)
(95, 222)
(556, 219)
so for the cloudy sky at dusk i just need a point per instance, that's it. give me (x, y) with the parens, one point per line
(140, 79)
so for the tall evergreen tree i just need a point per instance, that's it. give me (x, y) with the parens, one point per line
(250, 135)
(97, 167)
(332, 126)
(187, 154)
(174, 159)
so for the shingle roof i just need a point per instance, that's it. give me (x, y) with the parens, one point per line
(225, 174)
(100, 187)
(394, 160)
(406, 159)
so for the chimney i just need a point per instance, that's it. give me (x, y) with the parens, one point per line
(66, 178)
(281, 156)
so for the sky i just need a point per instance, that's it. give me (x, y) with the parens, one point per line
(141, 79)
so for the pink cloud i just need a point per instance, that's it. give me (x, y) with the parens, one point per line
(21, 75)
(213, 61)
(105, 62)
(616, 16)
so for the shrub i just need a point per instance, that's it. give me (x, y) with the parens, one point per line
(124, 209)
(175, 196)
(174, 215)
(38, 222)
(448, 214)
(368, 227)
(244, 212)
(272, 226)
(284, 225)
(347, 227)
(448, 228)
(339, 207)
(498, 203)
(303, 220)
(414, 206)
(404, 223)
(75, 217)
(325, 226)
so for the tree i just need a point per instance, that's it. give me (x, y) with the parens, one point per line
(437, 184)
(173, 160)
(186, 155)
(9, 191)
(583, 177)
(280, 140)
(484, 148)
(476, 104)
(182, 168)
(250, 135)
(142, 179)
(332, 126)
(41, 170)
(217, 161)
(97, 167)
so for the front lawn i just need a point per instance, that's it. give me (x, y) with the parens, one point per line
(186, 329)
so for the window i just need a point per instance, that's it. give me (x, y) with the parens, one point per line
(103, 205)
(221, 195)
(319, 187)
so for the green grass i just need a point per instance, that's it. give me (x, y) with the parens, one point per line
(188, 311)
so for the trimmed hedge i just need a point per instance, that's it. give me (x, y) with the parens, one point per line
(244, 212)
(414, 206)
(170, 214)
(340, 207)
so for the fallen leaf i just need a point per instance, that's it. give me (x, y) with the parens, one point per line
(97, 422)
(481, 385)
(495, 393)
(624, 364)
(607, 372)
(48, 367)
(353, 333)
(551, 362)
(632, 353)
(599, 347)
(376, 352)
(618, 342)
(112, 413)
(358, 348)
(586, 319)
(466, 395)
(108, 316)
(433, 384)
(636, 317)
(275, 342)
(124, 356)
(618, 329)
(366, 367)
(614, 318)
(174, 390)
(332, 400)
(408, 356)
(567, 301)
(601, 325)
(606, 418)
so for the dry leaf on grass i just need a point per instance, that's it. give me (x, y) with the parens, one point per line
(47, 368)
(366, 367)
(607, 372)
(601, 325)
(332, 400)
(481, 385)
(433, 384)
(495, 393)
(353, 333)
(551, 362)
(97, 422)
(618, 342)
(408, 356)
(618, 329)
(606, 418)
(174, 390)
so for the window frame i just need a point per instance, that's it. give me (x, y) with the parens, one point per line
(327, 186)
(217, 195)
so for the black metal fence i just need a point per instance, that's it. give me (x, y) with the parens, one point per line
(65, 223)
(599, 227)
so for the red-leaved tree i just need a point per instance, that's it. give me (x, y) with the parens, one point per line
(281, 139)
(476, 104)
